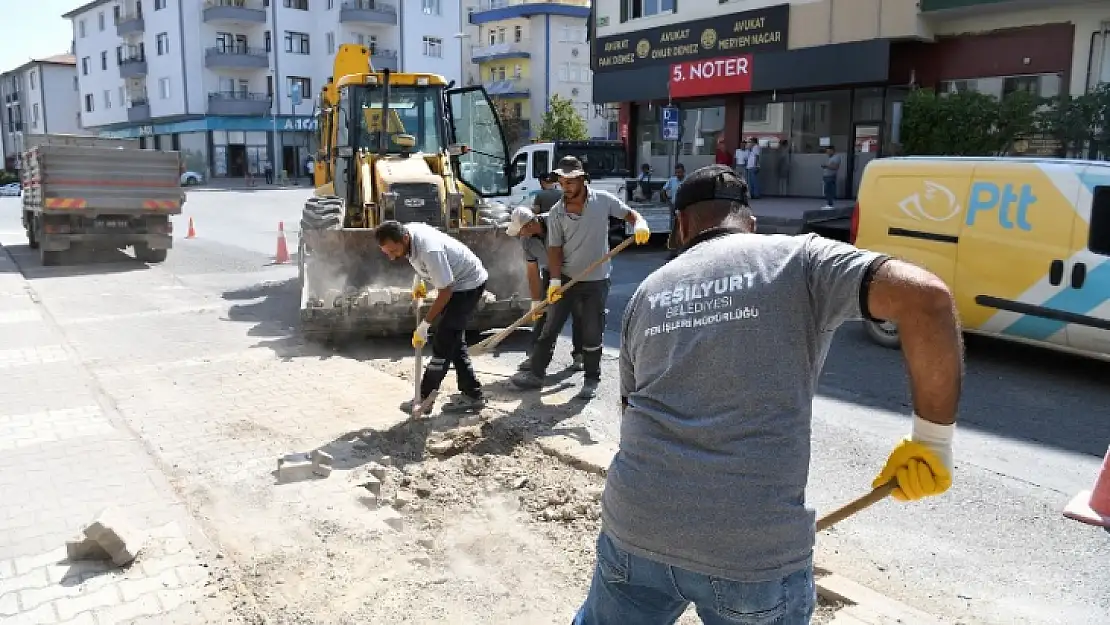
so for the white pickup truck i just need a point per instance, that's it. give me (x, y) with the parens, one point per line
(607, 166)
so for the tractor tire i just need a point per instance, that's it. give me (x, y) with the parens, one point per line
(322, 213)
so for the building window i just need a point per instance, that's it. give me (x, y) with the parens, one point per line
(268, 41)
(164, 88)
(331, 4)
(756, 113)
(104, 60)
(518, 34)
(35, 115)
(500, 35)
(76, 84)
(433, 46)
(492, 38)
(564, 72)
(119, 55)
(162, 41)
(81, 29)
(34, 79)
(300, 5)
(159, 5)
(88, 103)
(100, 20)
(304, 84)
(518, 71)
(634, 9)
(1040, 85)
(85, 66)
(115, 14)
(270, 86)
(122, 97)
(432, 7)
(330, 40)
(107, 99)
(296, 43)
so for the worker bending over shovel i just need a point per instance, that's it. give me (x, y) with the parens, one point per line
(721, 350)
(578, 235)
(459, 279)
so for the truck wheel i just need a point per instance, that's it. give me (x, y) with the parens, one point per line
(32, 242)
(49, 258)
(322, 213)
(145, 254)
(884, 333)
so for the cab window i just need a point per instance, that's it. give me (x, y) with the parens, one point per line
(541, 164)
(1098, 239)
(520, 167)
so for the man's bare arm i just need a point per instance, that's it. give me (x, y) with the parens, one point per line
(922, 306)
(534, 281)
(632, 217)
(555, 262)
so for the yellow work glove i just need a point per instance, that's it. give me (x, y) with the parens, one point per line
(534, 311)
(641, 232)
(921, 463)
(553, 294)
(419, 290)
(420, 336)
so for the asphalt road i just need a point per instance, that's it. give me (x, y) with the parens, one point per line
(995, 549)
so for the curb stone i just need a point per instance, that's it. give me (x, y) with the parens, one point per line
(863, 605)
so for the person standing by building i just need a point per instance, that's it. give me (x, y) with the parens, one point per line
(268, 171)
(829, 170)
(532, 230)
(704, 501)
(577, 236)
(752, 167)
(783, 155)
(722, 156)
(670, 191)
(459, 278)
(740, 160)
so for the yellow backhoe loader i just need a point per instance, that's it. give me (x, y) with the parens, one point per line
(406, 147)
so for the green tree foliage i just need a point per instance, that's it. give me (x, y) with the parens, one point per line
(562, 122)
(513, 126)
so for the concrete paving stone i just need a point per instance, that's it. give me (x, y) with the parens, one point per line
(70, 607)
(52, 426)
(42, 615)
(118, 535)
(23, 357)
(17, 318)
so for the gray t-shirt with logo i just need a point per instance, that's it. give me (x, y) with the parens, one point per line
(721, 350)
(444, 260)
(585, 238)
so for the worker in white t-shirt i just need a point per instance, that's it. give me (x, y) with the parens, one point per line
(752, 167)
(740, 161)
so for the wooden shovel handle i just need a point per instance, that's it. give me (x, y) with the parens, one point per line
(852, 507)
(492, 341)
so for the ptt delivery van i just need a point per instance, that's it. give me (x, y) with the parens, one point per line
(1024, 244)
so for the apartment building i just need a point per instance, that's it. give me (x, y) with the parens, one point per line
(232, 83)
(799, 75)
(526, 51)
(39, 97)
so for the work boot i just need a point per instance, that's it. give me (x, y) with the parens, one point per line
(578, 364)
(526, 365)
(526, 380)
(588, 390)
(425, 406)
(465, 403)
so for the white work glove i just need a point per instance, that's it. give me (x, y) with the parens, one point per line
(641, 232)
(553, 294)
(921, 463)
(420, 336)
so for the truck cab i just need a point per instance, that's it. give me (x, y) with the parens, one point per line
(605, 162)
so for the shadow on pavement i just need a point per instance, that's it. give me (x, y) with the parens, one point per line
(75, 262)
(1011, 390)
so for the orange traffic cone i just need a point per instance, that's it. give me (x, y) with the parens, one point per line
(282, 255)
(1093, 506)
(192, 234)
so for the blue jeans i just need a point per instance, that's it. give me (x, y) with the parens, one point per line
(753, 182)
(829, 185)
(631, 590)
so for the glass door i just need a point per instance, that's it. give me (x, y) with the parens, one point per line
(866, 139)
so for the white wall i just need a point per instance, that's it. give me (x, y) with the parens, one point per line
(60, 101)
(415, 25)
(168, 64)
(98, 80)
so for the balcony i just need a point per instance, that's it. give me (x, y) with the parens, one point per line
(235, 11)
(240, 103)
(368, 12)
(508, 50)
(132, 67)
(130, 24)
(139, 111)
(384, 59)
(236, 57)
(496, 10)
(509, 88)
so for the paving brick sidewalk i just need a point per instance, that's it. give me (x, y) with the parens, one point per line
(65, 455)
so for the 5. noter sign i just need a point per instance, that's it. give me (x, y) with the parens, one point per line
(730, 74)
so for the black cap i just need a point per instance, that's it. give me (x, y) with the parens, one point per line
(569, 167)
(712, 182)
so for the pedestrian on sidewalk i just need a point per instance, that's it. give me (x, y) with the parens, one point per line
(720, 353)
(829, 170)
(670, 190)
(460, 280)
(752, 166)
(268, 170)
(577, 236)
(532, 230)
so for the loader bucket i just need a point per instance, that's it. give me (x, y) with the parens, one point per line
(348, 286)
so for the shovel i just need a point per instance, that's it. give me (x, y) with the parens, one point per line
(857, 505)
(418, 372)
(492, 341)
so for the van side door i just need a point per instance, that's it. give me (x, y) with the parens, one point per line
(1087, 272)
(1013, 248)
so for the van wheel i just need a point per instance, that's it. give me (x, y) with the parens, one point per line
(884, 333)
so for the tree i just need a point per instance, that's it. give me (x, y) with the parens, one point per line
(515, 128)
(966, 123)
(563, 122)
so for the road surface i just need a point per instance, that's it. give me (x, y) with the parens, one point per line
(995, 549)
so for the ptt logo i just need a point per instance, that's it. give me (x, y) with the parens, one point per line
(937, 203)
(1012, 207)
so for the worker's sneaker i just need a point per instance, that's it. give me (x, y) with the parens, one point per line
(425, 406)
(526, 380)
(465, 403)
(578, 364)
(589, 390)
(526, 365)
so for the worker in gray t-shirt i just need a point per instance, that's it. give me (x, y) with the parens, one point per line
(459, 278)
(577, 236)
(721, 350)
(548, 196)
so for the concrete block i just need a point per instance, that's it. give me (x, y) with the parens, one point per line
(293, 458)
(378, 471)
(470, 421)
(392, 518)
(321, 457)
(121, 540)
(296, 470)
(321, 470)
(401, 500)
(84, 548)
(373, 485)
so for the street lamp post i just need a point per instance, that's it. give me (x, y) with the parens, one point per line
(462, 37)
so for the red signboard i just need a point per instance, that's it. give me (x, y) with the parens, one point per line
(719, 76)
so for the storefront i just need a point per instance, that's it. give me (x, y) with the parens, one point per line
(222, 147)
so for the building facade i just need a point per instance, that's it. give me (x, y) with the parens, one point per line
(232, 84)
(524, 52)
(39, 97)
(801, 75)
